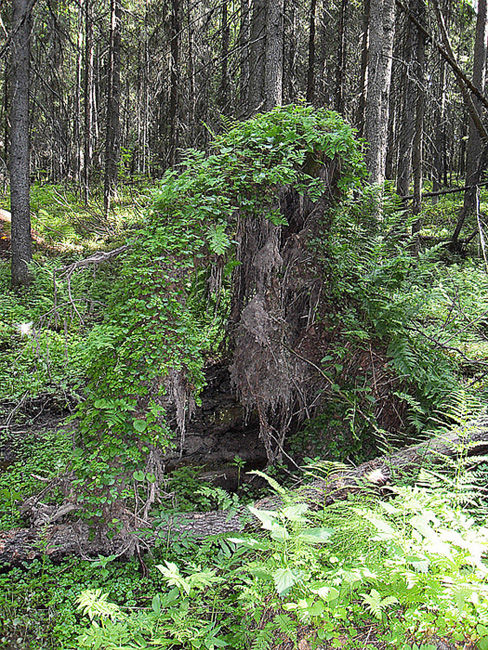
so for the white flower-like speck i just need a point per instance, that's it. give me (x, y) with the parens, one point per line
(25, 329)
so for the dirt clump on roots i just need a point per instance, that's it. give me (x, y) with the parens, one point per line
(278, 297)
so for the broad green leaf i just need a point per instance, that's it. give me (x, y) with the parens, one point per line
(284, 580)
(266, 517)
(140, 425)
(249, 542)
(419, 563)
(316, 535)
(156, 604)
(329, 594)
(295, 512)
(383, 527)
(279, 533)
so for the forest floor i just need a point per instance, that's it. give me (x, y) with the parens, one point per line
(40, 387)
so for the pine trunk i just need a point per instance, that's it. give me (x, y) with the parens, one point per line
(112, 143)
(21, 244)
(381, 34)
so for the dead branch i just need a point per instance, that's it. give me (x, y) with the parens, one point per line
(96, 258)
(67, 271)
(451, 190)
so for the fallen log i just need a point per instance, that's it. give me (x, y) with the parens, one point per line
(58, 540)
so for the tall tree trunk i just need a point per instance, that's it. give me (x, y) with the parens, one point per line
(174, 91)
(191, 72)
(77, 117)
(291, 51)
(244, 55)
(112, 142)
(224, 81)
(440, 141)
(311, 53)
(88, 91)
(417, 151)
(255, 96)
(21, 244)
(273, 77)
(474, 167)
(407, 111)
(363, 77)
(381, 34)
(341, 58)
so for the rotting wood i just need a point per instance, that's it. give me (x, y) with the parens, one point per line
(59, 540)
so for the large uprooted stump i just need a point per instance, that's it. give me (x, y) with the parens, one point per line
(59, 540)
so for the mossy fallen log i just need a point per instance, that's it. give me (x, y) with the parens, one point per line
(59, 540)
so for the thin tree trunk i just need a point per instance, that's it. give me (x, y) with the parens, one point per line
(407, 112)
(273, 77)
(475, 145)
(440, 166)
(244, 36)
(21, 243)
(174, 92)
(77, 118)
(382, 30)
(257, 57)
(341, 58)
(88, 96)
(311, 53)
(112, 142)
(191, 72)
(291, 51)
(417, 152)
(224, 82)
(363, 78)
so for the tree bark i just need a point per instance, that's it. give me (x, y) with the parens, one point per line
(381, 33)
(407, 111)
(224, 81)
(273, 76)
(174, 90)
(417, 151)
(88, 100)
(244, 36)
(440, 142)
(363, 76)
(475, 145)
(112, 142)
(311, 53)
(77, 158)
(291, 51)
(341, 58)
(19, 162)
(257, 57)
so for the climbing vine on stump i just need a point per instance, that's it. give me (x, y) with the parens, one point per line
(232, 253)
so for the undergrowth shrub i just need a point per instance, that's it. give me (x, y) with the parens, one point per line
(425, 318)
(35, 459)
(406, 570)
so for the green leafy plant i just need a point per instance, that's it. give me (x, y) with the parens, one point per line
(157, 331)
